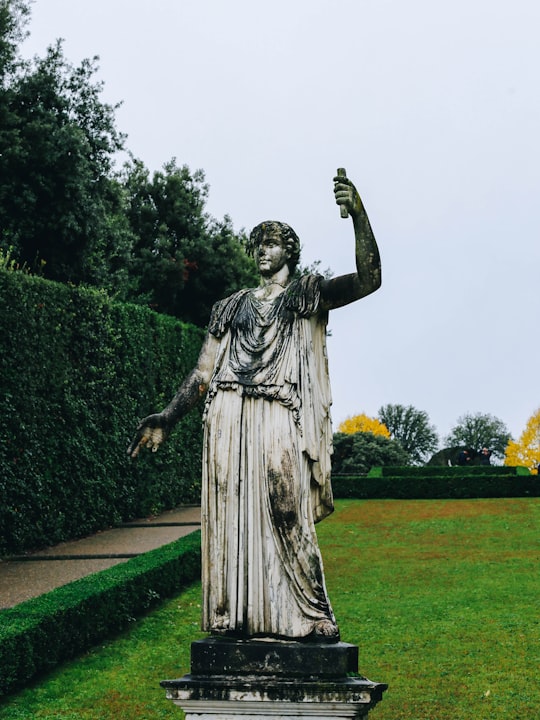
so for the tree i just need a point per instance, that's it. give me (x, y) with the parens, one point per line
(68, 214)
(61, 208)
(359, 452)
(412, 429)
(14, 16)
(478, 431)
(526, 451)
(363, 423)
(183, 260)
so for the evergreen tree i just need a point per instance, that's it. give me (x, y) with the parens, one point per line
(183, 260)
(61, 208)
(65, 211)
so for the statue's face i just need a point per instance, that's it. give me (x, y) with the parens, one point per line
(271, 254)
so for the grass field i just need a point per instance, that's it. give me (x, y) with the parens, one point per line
(442, 598)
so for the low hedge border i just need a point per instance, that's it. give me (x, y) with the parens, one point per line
(454, 471)
(38, 634)
(458, 486)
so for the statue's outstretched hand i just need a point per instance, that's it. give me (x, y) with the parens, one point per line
(347, 195)
(151, 432)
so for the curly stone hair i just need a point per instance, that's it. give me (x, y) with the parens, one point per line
(287, 235)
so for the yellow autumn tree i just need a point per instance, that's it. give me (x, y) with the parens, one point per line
(526, 450)
(363, 423)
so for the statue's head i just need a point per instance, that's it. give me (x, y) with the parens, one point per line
(286, 234)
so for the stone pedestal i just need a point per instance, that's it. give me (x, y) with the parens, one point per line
(248, 679)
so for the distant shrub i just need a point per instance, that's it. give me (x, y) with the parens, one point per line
(360, 451)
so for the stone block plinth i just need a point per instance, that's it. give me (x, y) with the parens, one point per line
(248, 679)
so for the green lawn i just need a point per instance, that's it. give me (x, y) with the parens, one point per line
(441, 597)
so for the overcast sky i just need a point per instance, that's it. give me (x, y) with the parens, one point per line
(434, 110)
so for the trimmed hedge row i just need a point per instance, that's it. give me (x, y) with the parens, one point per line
(77, 372)
(442, 471)
(40, 633)
(458, 485)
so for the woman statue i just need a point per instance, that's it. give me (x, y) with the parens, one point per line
(268, 437)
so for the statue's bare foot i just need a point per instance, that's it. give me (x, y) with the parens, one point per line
(221, 624)
(326, 629)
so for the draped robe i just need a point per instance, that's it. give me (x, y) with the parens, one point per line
(266, 465)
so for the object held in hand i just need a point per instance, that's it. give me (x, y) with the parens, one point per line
(341, 172)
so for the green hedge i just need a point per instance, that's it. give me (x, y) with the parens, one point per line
(77, 371)
(458, 484)
(436, 471)
(40, 633)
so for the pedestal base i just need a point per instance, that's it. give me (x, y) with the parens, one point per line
(250, 679)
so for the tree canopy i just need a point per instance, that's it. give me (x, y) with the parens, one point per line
(363, 423)
(60, 204)
(526, 450)
(68, 214)
(412, 429)
(182, 259)
(478, 431)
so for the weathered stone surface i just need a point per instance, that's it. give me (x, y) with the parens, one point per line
(251, 679)
(261, 696)
(221, 656)
(264, 689)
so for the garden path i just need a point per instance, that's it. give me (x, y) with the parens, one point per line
(26, 576)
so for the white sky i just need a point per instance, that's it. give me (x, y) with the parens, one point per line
(434, 110)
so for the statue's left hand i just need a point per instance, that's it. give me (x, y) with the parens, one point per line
(347, 195)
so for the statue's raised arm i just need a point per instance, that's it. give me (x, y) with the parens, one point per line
(345, 289)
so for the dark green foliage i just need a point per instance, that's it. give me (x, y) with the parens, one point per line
(68, 215)
(451, 472)
(37, 635)
(14, 15)
(358, 452)
(77, 372)
(183, 261)
(61, 209)
(412, 429)
(430, 483)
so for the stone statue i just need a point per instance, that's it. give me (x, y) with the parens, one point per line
(268, 437)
